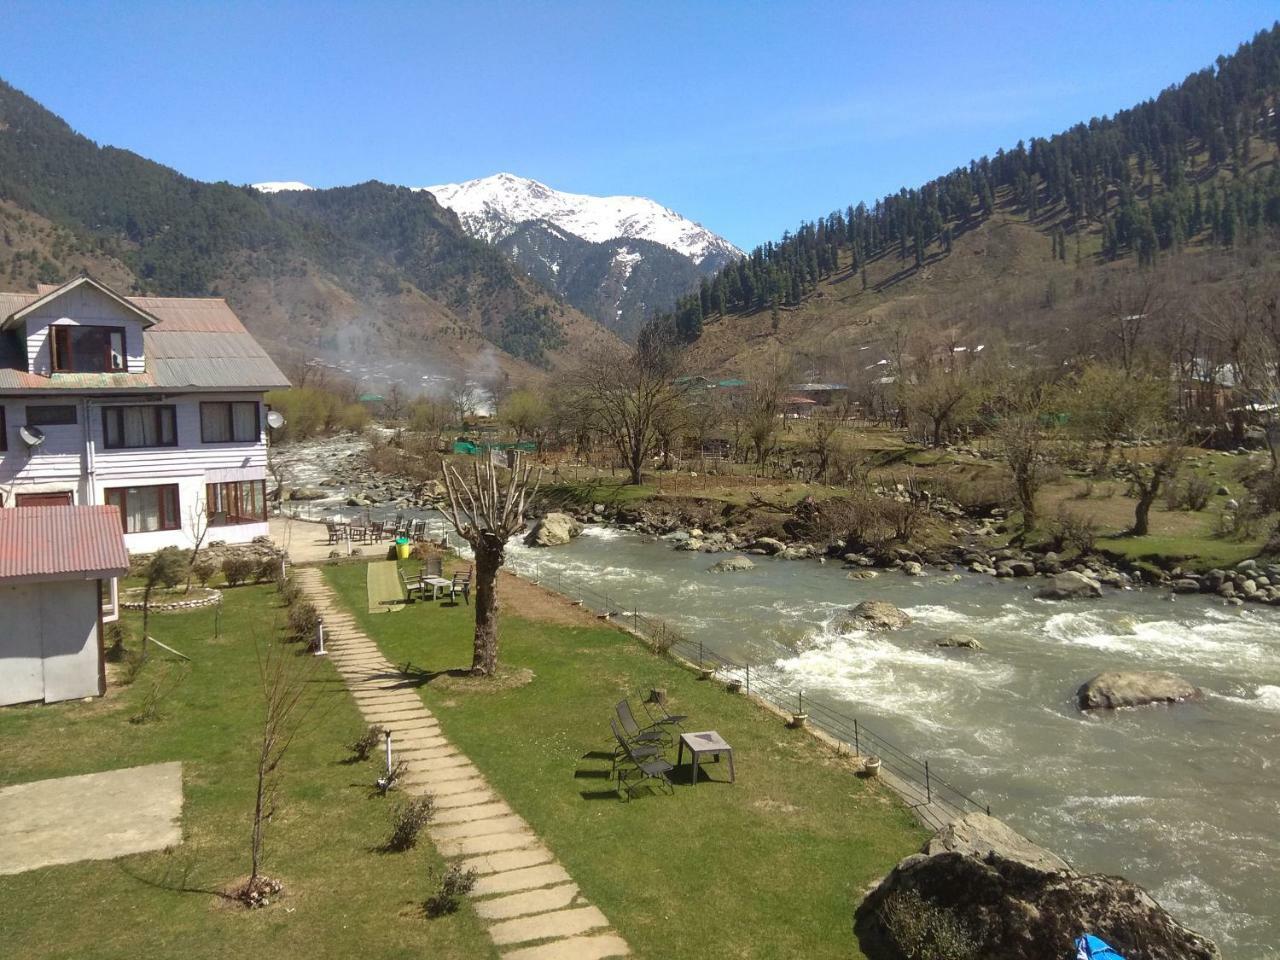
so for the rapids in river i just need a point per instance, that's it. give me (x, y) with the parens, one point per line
(1183, 799)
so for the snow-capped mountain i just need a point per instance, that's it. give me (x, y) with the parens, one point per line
(617, 259)
(277, 186)
(491, 207)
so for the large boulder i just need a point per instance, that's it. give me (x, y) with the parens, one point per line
(553, 530)
(875, 615)
(1069, 586)
(1133, 688)
(731, 565)
(1005, 898)
(768, 545)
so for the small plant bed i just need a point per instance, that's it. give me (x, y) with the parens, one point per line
(170, 599)
(771, 866)
(339, 895)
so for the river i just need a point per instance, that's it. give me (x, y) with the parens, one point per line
(1184, 800)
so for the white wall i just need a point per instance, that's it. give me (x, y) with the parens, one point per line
(49, 646)
(63, 463)
(81, 306)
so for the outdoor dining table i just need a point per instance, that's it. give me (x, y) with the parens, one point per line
(704, 743)
(436, 584)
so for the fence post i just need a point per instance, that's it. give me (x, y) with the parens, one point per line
(320, 637)
(800, 701)
(928, 790)
(857, 747)
(635, 619)
(699, 653)
(748, 669)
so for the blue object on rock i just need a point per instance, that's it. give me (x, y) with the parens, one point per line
(1089, 947)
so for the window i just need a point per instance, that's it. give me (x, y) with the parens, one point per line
(229, 422)
(86, 349)
(50, 415)
(59, 498)
(243, 501)
(141, 426)
(145, 509)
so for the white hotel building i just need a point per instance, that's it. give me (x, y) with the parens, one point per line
(150, 404)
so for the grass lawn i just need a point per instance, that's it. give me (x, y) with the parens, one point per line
(342, 899)
(771, 867)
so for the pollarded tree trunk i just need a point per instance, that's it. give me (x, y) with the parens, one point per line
(489, 555)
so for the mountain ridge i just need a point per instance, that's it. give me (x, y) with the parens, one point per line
(374, 275)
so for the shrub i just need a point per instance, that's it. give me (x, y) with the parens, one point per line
(1192, 493)
(304, 618)
(663, 637)
(1072, 532)
(407, 820)
(455, 884)
(204, 569)
(238, 569)
(266, 568)
(114, 638)
(289, 591)
(923, 931)
(165, 681)
(363, 746)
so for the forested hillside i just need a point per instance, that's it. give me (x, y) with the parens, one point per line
(376, 270)
(1193, 169)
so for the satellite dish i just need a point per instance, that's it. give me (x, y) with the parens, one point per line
(31, 436)
(275, 420)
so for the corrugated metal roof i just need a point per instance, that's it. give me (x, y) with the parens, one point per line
(61, 543)
(199, 343)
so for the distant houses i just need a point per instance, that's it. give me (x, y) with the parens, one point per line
(150, 405)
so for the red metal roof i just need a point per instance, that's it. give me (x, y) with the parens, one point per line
(61, 543)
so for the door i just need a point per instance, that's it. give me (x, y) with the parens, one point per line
(61, 498)
(21, 656)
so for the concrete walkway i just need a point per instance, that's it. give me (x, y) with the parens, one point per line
(530, 905)
(95, 816)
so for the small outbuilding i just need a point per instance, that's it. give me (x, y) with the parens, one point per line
(56, 565)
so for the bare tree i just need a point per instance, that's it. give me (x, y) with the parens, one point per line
(820, 438)
(1022, 441)
(285, 679)
(945, 398)
(766, 385)
(462, 399)
(198, 521)
(487, 513)
(625, 394)
(393, 403)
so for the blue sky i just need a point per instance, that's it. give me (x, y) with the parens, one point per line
(747, 117)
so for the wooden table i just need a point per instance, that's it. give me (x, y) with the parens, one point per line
(437, 584)
(703, 743)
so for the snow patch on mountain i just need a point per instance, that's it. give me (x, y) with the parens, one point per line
(491, 207)
(278, 186)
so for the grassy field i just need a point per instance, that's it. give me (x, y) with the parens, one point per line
(342, 899)
(771, 867)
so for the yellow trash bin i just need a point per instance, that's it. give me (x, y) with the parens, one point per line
(402, 548)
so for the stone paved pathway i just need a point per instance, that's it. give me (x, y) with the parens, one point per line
(532, 908)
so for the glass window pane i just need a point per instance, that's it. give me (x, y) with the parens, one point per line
(246, 417)
(215, 422)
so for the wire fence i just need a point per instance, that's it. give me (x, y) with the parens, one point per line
(935, 798)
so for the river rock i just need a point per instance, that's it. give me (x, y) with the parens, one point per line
(307, 493)
(1018, 902)
(1186, 585)
(876, 615)
(768, 545)
(978, 834)
(862, 575)
(553, 530)
(912, 569)
(962, 641)
(1133, 688)
(731, 565)
(1069, 586)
